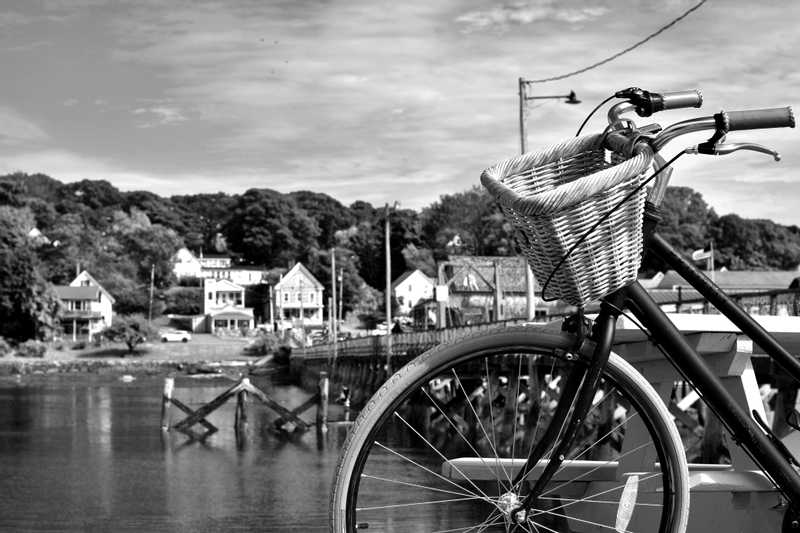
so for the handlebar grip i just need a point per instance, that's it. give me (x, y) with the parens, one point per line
(777, 117)
(682, 99)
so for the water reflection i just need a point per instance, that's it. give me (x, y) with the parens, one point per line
(87, 454)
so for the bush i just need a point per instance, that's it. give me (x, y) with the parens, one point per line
(5, 347)
(263, 344)
(31, 348)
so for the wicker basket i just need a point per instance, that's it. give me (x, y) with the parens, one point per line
(555, 195)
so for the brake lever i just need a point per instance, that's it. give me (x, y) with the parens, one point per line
(729, 148)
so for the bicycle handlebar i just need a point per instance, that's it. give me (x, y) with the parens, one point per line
(682, 99)
(777, 117)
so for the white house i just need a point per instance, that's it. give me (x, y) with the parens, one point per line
(215, 266)
(298, 297)
(411, 288)
(87, 308)
(223, 305)
(185, 264)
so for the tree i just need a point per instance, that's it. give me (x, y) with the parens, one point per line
(474, 217)
(329, 214)
(686, 224)
(132, 330)
(28, 306)
(269, 228)
(185, 300)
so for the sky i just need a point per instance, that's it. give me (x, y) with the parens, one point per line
(371, 100)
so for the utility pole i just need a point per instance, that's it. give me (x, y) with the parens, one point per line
(570, 98)
(341, 294)
(332, 302)
(388, 295)
(152, 280)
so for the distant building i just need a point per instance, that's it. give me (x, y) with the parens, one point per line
(411, 288)
(215, 266)
(750, 288)
(223, 305)
(87, 308)
(299, 299)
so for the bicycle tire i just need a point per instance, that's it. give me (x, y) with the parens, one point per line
(359, 493)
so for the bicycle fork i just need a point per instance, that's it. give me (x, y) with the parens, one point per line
(576, 400)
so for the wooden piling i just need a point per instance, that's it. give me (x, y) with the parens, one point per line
(166, 400)
(322, 406)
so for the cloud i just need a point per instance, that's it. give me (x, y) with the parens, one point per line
(158, 115)
(500, 18)
(16, 130)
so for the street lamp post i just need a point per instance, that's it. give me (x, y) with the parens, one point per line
(570, 98)
(524, 84)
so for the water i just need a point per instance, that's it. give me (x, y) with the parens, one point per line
(85, 453)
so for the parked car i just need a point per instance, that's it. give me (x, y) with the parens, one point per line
(174, 335)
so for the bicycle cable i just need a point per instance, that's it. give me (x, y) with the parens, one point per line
(602, 219)
(601, 104)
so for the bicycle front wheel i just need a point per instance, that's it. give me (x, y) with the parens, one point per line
(437, 448)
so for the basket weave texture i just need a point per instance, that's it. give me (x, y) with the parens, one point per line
(555, 195)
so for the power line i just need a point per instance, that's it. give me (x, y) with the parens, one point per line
(625, 51)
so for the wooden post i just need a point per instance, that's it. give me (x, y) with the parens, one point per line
(240, 418)
(322, 406)
(166, 400)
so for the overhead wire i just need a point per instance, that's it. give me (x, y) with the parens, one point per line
(626, 50)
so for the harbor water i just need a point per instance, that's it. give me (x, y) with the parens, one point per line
(86, 453)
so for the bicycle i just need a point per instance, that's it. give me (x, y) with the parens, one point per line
(536, 429)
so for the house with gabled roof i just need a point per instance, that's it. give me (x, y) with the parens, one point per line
(410, 288)
(299, 299)
(223, 305)
(87, 307)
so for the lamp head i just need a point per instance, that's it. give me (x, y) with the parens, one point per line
(572, 99)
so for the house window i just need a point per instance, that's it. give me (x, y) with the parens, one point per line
(210, 295)
(299, 297)
(285, 296)
(409, 288)
(311, 297)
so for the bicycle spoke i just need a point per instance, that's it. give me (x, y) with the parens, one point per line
(485, 434)
(599, 466)
(589, 498)
(414, 504)
(432, 447)
(598, 524)
(471, 447)
(493, 519)
(491, 419)
(451, 482)
(516, 410)
(597, 501)
(416, 485)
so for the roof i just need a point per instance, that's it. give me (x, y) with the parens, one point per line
(407, 274)
(738, 279)
(231, 315)
(298, 269)
(476, 274)
(236, 267)
(65, 292)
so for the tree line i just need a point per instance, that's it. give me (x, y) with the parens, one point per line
(121, 237)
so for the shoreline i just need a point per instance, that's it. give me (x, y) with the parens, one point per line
(12, 366)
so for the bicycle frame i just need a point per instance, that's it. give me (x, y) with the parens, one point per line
(745, 430)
